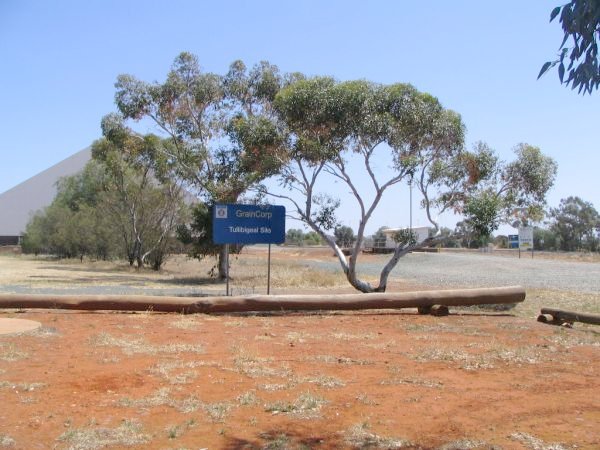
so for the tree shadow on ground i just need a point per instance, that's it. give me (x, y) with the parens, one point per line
(288, 439)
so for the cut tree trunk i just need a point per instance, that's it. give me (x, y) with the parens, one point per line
(559, 316)
(387, 300)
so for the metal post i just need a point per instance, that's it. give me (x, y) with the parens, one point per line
(410, 188)
(227, 270)
(269, 272)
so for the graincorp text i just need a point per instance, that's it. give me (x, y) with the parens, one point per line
(256, 214)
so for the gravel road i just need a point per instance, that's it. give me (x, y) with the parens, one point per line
(478, 270)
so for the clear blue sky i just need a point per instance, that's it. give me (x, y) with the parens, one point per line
(59, 61)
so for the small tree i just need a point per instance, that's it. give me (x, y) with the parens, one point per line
(344, 236)
(140, 194)
(577, 224)
(294, 236)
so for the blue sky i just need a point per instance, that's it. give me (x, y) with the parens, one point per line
(60, 60)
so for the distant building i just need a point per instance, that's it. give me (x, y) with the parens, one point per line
(19, 204)
(387, 243)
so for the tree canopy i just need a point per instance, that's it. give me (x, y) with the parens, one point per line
(334, 126)
(222, 131)
(578, 52)
(576, 223)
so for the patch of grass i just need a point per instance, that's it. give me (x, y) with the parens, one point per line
(185, 322)
(217, 411)
(6, 441)
(239, 323)
(255, 367)
(131, 345)
(247, 398)
(127, 434)
(413, 381)
(45, 332)
(534, 443)
(271, 387)
(324, 381)
(467, 444)
(365, 399)
(306, 406)
(279, 441)
(26, 387)
(360, 437)
(331, 359)
(350, 337)
(9, 352)
(489, 359)
(569, 338)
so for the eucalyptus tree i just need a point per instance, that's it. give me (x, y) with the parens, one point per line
(222, 130)
(509, 192)
(340, 131)
(332, 123)
(576, 223)
(140, 193)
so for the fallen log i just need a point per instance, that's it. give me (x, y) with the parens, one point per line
(186, 305)
(559, 316)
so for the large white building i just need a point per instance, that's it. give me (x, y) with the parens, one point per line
(19, 204)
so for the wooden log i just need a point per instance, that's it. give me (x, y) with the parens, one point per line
(562, 316)
(384, 300)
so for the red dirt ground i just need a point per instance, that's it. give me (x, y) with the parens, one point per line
(331, 380)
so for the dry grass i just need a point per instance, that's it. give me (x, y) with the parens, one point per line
(359, 437)
(127, 434)
(10, 352)
(489, 359)
(306, 406)
(533, 443)
(6, 441)
(23, 387)
(256, 367)
(216, 412)
(131, 345)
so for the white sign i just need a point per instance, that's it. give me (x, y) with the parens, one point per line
(526, 238)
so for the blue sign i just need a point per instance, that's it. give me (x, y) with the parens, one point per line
(248, 224)
(513, 241)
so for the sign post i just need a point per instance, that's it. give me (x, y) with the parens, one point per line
(525, 239)
(249, 224)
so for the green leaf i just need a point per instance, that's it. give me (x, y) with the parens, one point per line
(554, 13)
(561, 72)
(545, 67)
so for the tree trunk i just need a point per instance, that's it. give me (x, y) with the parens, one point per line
(395, 300)
(222, 262)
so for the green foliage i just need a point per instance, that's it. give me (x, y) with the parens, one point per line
(503, 192)
(294, 236)
(312, 238)
(112, 209)
(344, 236)
(576, 224)
(405, 237)
(545, 239)
(73, 225)
(580, 20)
(198, 235)
(222, 132)
(482, 212)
